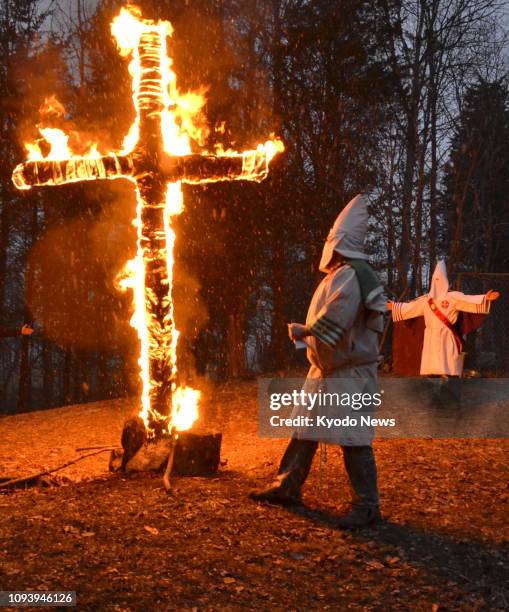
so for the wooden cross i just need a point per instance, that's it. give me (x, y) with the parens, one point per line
(156, 176)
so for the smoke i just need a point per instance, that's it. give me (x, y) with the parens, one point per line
(72, 267)
(71, 285)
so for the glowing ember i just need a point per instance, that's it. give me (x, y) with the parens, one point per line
(156, 157)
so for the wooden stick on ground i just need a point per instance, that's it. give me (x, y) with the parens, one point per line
(169, 465)
(18, 481)
(89, 448)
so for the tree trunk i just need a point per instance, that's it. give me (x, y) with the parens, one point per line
(25, 379)
(47, 374)
(278, 324)
(24, 375)
(102, 375)
(416, 284)
(433, 176)
(406, 246)
(412, 105)
(278, 327)
(67, 376)
(4, 243)
(236, 343)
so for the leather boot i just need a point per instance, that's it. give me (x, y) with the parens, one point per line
(360, 516)
(292, 473)
(276, 495)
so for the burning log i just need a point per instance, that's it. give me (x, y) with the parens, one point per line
(200, 169)
(186, 453)
(193, 169)
(48, 172)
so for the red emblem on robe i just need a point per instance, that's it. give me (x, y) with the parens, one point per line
(444, 304)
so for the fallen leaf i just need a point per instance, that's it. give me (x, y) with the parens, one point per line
(375, 564)
(151, 530)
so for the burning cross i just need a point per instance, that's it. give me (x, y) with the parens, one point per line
(156, 158)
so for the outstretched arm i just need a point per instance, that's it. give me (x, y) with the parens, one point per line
(407, 310)
(478, 304)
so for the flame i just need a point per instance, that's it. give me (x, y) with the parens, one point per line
(271, 148)
(185, 408)
(181, 120)
(178, 128)
(58, 143)
(268, 150)
(52, 106)
(132, 277)
(126, 29)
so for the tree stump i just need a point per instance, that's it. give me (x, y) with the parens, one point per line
(197, 454)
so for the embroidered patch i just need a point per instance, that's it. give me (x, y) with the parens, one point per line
(444, 304)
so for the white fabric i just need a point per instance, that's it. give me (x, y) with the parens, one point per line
(348, 233)
(349, 366)
(439, 281)
(440, 353)
(377, 301)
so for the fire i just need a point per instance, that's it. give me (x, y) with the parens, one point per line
(58, 143)
(168, 126)
(52, 106)
(56, 140)
(185, 408)
(178, 127)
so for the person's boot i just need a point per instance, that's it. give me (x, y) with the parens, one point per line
(276, 495)
(360, 516)
(293, 471)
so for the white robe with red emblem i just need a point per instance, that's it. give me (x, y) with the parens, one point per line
(440, 354)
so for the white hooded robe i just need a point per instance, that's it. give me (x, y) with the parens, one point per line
(440, 354)
(345, 327)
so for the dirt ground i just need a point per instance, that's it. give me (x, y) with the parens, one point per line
(122, 544)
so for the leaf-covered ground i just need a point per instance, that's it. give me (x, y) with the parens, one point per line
(123, 544)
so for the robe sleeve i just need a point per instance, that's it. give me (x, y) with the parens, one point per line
(478, 304)
(340, 309)
(408, 310)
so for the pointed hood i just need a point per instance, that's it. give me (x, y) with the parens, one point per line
(348, 233)
(439, 281)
